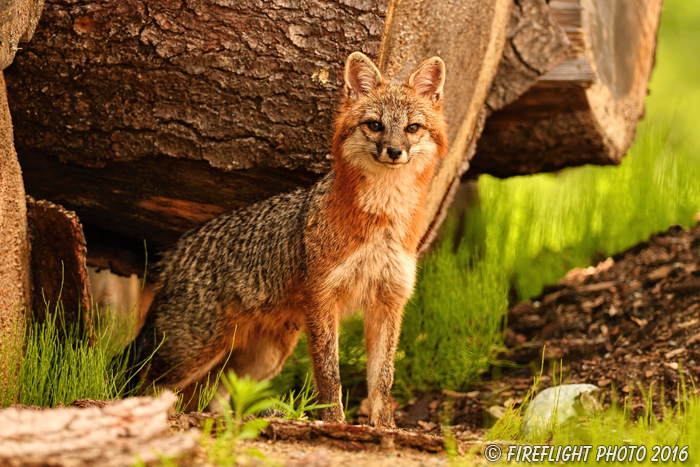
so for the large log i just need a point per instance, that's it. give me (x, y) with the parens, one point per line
(586, 109)
(149, 117)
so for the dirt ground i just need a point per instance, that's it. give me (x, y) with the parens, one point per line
(632, 320)
(302, 454)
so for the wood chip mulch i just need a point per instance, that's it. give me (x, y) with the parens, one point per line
(634, 319)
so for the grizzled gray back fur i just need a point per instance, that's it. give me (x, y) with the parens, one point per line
(243, 259)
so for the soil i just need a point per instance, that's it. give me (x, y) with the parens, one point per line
(627, 324)
(303, 454)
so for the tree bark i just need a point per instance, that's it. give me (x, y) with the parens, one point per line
(341, 435)
(15, 284)
(18, 18)
(148, 118)
(535, 44)
(586, 109)
(352, 437)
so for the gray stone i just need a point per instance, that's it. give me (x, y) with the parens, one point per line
(557, 405)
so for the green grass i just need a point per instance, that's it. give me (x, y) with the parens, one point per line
(59, 366)
(55, 364)
(537, 228)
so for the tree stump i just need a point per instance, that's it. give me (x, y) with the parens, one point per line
(585, 110)
(58, 264)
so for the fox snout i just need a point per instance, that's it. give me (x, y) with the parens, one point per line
(392, 154)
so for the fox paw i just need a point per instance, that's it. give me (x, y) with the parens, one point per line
(333, 414)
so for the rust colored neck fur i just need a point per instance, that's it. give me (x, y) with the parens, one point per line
(347, 204)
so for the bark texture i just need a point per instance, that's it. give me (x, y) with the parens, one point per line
(340, 435)
(586, 109)
(161, 115)
(112, 435)
(18, 20)
(352, 437)
(15, 284)
(535, 44)
(58, 262)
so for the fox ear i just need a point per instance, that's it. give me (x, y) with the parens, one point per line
(361, 76)
(429, 79)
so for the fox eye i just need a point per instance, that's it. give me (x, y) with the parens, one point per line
(412, 128)
(374, 126)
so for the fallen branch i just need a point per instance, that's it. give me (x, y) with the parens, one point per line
(352, 437)
(340, 435)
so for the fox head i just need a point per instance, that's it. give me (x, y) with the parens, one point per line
(391, 126)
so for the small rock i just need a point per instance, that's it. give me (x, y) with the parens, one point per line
(568, 401)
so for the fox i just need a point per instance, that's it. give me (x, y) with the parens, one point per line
(237, 292)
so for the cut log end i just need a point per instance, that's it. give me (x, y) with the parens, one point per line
(622, 64)
(586, 109)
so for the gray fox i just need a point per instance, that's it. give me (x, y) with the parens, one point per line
(300, 261)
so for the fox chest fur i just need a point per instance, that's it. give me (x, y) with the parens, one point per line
(379, 263)
(371, 234)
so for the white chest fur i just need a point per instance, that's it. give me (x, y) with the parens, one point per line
(379, 264)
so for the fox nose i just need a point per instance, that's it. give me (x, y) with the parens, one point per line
(393, 152)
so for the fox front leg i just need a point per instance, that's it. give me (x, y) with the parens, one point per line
(382, 330)
(322, 332)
